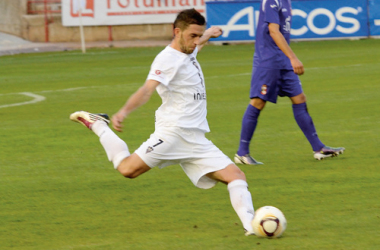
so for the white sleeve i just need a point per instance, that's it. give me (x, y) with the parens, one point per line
(162, 71)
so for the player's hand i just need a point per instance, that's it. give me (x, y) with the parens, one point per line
(214, 31)
(117, 120)
(297, 66)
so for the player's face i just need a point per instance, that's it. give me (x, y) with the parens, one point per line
(189, 38)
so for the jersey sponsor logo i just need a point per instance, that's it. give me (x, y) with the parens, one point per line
(157, 72)
(264, 89)
(199, 96)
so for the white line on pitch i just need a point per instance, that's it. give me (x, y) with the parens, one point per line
(37, 98)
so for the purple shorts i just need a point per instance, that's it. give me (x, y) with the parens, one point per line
(267, 84)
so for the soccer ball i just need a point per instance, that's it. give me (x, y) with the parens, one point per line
(268, 222)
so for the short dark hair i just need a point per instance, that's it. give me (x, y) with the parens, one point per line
(188, 17)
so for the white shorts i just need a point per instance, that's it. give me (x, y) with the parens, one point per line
(189, 148)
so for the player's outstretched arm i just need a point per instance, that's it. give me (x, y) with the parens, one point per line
(279, 39)
(139, 98)
(212, 32)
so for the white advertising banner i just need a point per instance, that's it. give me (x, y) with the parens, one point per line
(124, 12)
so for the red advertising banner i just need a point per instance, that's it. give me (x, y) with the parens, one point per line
(124, 12)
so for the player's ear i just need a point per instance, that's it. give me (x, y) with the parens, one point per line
(176, 31)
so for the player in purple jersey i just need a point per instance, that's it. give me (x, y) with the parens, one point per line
(275, 73)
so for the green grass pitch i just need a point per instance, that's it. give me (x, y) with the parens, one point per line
(58, 190)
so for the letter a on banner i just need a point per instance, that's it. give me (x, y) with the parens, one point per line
(233, 26)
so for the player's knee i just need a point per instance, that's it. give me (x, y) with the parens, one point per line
(258, 103)
(131, 169)
(237, 174)
(301, 98)
(127, 172)
(240, 175)
(131, 176)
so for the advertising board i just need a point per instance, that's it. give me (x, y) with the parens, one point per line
(374, 17)
(124, 12)
(311, 19)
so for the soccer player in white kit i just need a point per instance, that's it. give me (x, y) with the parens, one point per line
(181, 124)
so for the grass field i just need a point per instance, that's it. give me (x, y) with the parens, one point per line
(58, 190)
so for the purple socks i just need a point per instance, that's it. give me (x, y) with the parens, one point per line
(248, 127)
(306, 124)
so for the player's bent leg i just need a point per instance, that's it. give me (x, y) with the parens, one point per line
(116, 149)
(132, 166)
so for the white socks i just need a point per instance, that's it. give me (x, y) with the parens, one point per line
(241, 200)
(116, 149)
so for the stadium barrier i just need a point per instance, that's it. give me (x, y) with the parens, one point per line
(46, 8)
(312, 19)
(113, 20)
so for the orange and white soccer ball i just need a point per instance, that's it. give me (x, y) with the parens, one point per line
(269, 222)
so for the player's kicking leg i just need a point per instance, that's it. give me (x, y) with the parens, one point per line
(88, 119)
(328, 152)
(116, 149)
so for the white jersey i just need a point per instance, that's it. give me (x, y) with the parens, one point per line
(182, 90)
